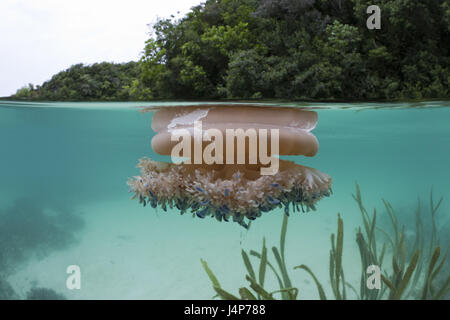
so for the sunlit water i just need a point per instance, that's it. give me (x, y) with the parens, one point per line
(64, 199)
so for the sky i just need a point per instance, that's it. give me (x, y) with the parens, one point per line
(39, 38)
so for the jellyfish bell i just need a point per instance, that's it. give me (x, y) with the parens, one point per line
(294, 126)
(250, 179)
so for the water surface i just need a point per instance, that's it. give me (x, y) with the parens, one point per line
(64, 199)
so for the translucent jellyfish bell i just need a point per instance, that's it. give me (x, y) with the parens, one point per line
(231, 168)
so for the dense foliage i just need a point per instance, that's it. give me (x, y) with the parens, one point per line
(285, 49)
(100, 81)
(318, 49)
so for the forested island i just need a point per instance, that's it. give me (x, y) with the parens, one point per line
(276, 49)
(100, 81)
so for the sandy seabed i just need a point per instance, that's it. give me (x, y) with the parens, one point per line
(143, 254)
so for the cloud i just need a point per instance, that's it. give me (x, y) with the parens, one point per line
(41, 38)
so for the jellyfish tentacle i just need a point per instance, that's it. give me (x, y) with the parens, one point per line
(238, 196)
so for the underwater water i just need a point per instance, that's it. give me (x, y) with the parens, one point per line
(64, 200)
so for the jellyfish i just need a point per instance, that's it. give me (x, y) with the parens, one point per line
(225, 162)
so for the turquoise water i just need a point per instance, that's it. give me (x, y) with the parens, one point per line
(64, 199)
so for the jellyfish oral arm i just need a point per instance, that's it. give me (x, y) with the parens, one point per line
(230, 192)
